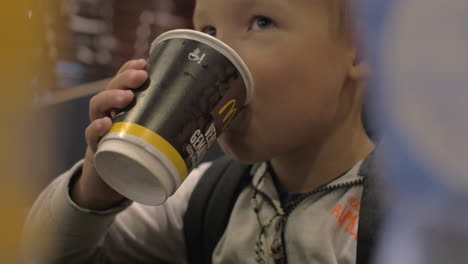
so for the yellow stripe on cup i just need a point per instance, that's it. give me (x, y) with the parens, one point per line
(156, 140)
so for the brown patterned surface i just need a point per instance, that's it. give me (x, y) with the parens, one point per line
(89, 40)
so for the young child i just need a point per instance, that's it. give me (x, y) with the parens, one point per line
(302, 129)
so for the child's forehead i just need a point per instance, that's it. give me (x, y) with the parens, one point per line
(209, 6)
(251, 3)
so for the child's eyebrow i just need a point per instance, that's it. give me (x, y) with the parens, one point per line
(248, 3)
(236, 5)
(251, 3)
(196, 17)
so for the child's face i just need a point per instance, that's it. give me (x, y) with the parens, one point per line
(299, 66)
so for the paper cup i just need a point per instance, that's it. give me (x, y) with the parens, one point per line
(196, 86)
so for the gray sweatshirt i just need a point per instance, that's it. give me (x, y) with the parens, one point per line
(318, 227)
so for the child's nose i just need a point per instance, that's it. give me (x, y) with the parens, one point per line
(225, 37)
(231, 41)
(234, 42)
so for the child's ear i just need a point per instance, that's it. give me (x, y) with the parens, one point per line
(358, 70)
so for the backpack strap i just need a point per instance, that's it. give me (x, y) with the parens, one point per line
(213, 199)
(370, 215)
(210, 207)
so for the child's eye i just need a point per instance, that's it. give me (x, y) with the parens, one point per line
(260, 23)
(210, 30)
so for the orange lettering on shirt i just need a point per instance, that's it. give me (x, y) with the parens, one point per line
(355, 203)
(346, 216)
(337, 211)
(351, 227)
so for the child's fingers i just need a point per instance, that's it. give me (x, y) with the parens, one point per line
(116, 96)
(96, 130)
(104, 102)
(133, 64)
(129, 79)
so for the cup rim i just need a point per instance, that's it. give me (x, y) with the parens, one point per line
(219, 46)
(162, 183)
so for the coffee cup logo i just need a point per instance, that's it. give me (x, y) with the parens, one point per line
(195, 56)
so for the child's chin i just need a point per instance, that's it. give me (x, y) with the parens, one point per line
(238, 146)
(240, 142)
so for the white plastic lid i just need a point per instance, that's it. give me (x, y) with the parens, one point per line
(133, 172)
(216, 44)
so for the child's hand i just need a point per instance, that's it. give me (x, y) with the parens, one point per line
(89, 190)
(116, 96)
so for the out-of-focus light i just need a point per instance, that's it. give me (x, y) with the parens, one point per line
(418, 51)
